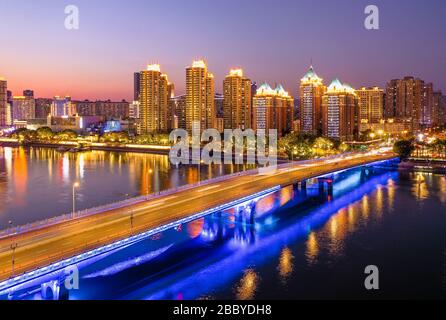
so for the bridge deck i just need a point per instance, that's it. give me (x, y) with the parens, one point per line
(48, 245)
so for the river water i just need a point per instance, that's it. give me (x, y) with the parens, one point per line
(37, 183)
(303, 245)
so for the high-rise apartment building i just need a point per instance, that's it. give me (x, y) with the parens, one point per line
(404, 100)
(134, 109)
(237, 100)
(427, 106)
(170, 107)
(23, 108)
(311, 91)
(199, 96)
(154, 100)
(437, 109)
(339, 104)
(370, 106)
(273, 109)
(110, 110)
(63, 107)
(43, 107)
(136, 86)
(178, 105)
(3, 102)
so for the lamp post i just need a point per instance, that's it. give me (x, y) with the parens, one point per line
(131, 222)
(293, 154)
(199, 171)
(148, 180)
(13, 247)
(75, 185)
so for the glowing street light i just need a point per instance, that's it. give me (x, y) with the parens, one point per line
(148, 180)
(293, 154)
(199, 171)
(75, 185)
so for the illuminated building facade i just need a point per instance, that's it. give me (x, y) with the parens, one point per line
(438, 108)
(136, 86)
(170, 109)
(427, 106)
(43, 107)
(237, 101)
(178, 105)
(273, 109)
(134, 110)
(23, 108)
(63, 107)
(338, 111)
(370, 106)
(200, 96)
(311, 91)
(404, 99)
(3, 102)
(154, 100)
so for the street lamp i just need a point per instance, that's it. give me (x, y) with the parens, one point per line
(75, 185)
(148, 180)
(199, 171)
(293, 153)
(13, 247)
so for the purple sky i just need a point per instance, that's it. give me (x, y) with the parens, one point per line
(271, 40)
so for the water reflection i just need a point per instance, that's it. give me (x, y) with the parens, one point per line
(220, 257)
(247, 286)
(312, 248)
(419, 187)
(286, 265)
(35, 183)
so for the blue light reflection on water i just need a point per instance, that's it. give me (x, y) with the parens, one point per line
(204, 255)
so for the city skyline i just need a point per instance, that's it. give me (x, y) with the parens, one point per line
(100, 62)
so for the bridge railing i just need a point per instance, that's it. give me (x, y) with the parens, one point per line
(115, 205)
(135, 200)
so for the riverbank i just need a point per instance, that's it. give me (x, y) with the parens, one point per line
(148, 149)
(152, 149)
(419, 165)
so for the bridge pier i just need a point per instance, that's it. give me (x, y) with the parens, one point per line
(246, 214)
(326, 181)
(366, 172)
(300, 185)
(53, 290)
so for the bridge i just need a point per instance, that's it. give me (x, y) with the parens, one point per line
(29, 253)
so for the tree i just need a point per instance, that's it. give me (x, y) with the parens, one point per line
(323, 146)
(403, 148)
(44, 134)
(66, 135)
(297, 146)
(24, 135)
(121, 137)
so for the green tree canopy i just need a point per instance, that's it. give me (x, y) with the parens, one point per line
(403, 148)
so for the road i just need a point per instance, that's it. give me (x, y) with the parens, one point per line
(51, 244)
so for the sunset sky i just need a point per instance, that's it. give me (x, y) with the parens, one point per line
(272, 41)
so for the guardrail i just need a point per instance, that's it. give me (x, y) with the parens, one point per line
(107, 244)
(132, 201)
(116, 205)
